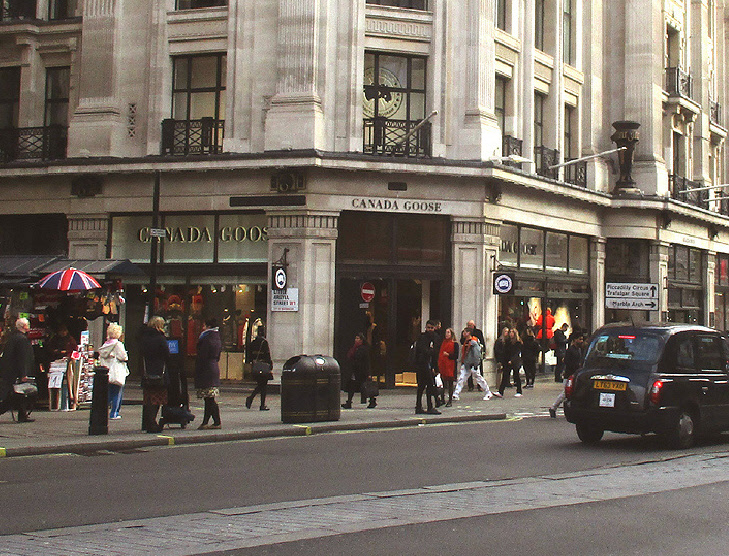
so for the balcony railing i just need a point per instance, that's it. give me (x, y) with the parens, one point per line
(411, 4)
(715, 112)
(576, 173)
(397, 137)
(197, 4)
(544, 158)
(33, 143)
(17, 9)
(680, 190)
(678, 82)
(183, 137)
(511, 146)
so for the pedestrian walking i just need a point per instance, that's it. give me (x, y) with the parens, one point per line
(447, 359)
(513, 363)
(113, 355)
(572, 363)
(358, 360)
(529, 354)
(501, 355)
(207, 372)
(17, 365)
(560, 349)
(426, 366)
(155, 379)
(477, 334)
(469, 361)
(259, 355)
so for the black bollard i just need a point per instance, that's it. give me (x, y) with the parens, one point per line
(99, 417)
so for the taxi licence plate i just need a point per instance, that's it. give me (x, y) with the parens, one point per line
(610, 385)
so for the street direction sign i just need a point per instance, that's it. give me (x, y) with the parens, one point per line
(631, 303)
(627, 290)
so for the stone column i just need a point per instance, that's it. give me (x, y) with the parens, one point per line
(87, 236)
(658, 267)
(295, 119)
(709, 291)
(97, 126)
(310, 237)
(475, 244)
(597, 281)
(480, 138)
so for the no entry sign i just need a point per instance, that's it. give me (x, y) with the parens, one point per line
(367, 291)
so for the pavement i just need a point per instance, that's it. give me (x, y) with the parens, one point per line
(55, 432)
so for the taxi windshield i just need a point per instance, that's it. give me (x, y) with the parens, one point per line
(621, 346)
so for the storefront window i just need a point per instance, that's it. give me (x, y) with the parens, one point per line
(509, 245)
(243, 238)
(556, 252)
(721, 271)
(130, 238)
(420, 240)
(189, 238)
(720, 300)
(532, 249)
(579, 255)
(365, 238)
(626, 260)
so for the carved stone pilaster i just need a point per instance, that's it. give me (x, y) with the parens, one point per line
(87, 236)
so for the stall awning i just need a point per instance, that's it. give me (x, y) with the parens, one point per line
(26, 270)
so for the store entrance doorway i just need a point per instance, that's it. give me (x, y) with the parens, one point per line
(391, 321)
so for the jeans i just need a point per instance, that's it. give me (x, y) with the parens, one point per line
(115, 399)
(464, 375)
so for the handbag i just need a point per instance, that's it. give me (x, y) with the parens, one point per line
(27, 389)
(155, 380)
(261, 370)
(370, 389)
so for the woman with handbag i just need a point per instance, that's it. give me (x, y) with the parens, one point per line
(358, 359)
(156, 354)
(259, 355)
(207, 372)
(113, 355)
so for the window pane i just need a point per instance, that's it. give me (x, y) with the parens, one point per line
(243, 238)
(204, 71)
(509, 245)
(579, 255)
(58, 83)
(695, 266)
(365, 238)
(179, 108)
(418, 74)
(130, 238)
(420, 239)
(202, 105)
(556, 251)
(682, 263)
(417, 106)
(181, 69)
(709, 354)
(532, 248)
(394, 71)
(190, 238)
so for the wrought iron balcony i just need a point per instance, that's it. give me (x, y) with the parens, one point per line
(678, 82)
(183, 137)
(33, 143)
(544, 158)
(576, 173)
(411, 4)
(197, 4)
(511, 146)
(680, 190)
(397, 137)
(715, 112)
(17, 9)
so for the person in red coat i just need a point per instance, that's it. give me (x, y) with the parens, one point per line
(447, 357)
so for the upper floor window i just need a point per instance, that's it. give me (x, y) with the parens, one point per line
(411, 4)
(198, 88)
(539, 24)
(17, 9)
(62, 9)
(569, 113)
(9, 97)
(500, 103)
(538, 119)
(501, 14)
(57, 96)
(568, 39)
(195, 4)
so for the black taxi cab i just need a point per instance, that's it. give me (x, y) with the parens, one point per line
(669, 379)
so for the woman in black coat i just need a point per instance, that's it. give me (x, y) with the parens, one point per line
(207, 372)
(16, 364)
(259, 350)
(358, 358)
(156, 354)
(529, 354)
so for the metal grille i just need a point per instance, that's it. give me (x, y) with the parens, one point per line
(679, 187)
(397, 137)
(678, 82)
(183, 137)
(544, 158)
(28, 143)
(576, 173)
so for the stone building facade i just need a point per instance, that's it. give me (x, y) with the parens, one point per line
(409, 148)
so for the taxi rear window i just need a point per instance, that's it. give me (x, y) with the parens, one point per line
(620, 346)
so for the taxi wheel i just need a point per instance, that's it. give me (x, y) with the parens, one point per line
(589, 434)
(683, 431)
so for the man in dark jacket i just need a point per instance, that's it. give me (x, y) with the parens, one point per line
(207, 372)
(16, 364)
(426, 367)
(572, 363)
(560, 349)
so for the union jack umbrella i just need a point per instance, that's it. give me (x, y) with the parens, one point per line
(70, 280)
